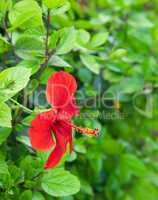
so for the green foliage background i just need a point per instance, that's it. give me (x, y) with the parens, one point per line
(109, 46)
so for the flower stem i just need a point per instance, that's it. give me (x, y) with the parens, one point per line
(21, 106)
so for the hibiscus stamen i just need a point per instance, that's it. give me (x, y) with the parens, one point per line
(87, 131)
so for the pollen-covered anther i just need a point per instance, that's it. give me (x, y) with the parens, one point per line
(87, 131)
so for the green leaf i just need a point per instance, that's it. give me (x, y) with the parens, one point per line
(82, 40)
(5, 179)
(80, 147)
(85, 75)
(45, 75)
(133, 165)
(59, 183)
(5, 116)
(99, 39)
(25, 14)
(119, 53)
(54, 39)
(144, 190)
(86, 187)
(90, 62)
(140, 20)
(28, 47)
(15, 173)
(67, 40)
(3, 168)
(30, 167)
(5, 5)
(61, 10)
(37, 196)
(12, 80)
(26, 195)
(132, 84)
(54, 3)
(58, 61)
(83, 37)
(72, 156)
(34, 65)
(24, 139)
(111, 76)
(4, 133)
(4, 45)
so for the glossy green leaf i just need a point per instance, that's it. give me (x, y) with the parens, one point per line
(5, 116)
(119, 53)
(132, 84)
(62, 9)
(3, 168)
(28, 47)
(53, 3)
(99, 39)
(12, 80)
(25, 14)
(67, 41)
(83, 37)
(58, 62)
(4, 45)
(5, 179)
(140, 20)
(37, 196)
(33, 65)
(90, 62)
(133, 165)
(5, 5)
(144, 190)
(24, 139)
(26, 195)
(4, 133)
(59, 183)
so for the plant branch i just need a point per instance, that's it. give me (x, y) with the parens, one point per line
(47, 54)
(9, 37)
(38, 175)
(27, 110)
(47, 36)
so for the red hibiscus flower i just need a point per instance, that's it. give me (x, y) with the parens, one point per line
(60, 90)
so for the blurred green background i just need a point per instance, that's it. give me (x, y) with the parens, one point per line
(110, 46)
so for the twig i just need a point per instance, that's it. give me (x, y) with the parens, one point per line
(9, 37)
(47, 36)
(47, 54)
(27, 110)
(38, 175)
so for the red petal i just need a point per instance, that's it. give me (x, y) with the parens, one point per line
(40, 132)
(67, 131)
(60, 89)
(71, 108)
(63, 135)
